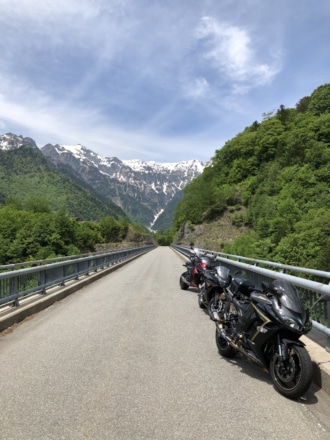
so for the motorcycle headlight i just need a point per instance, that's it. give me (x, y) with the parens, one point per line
(292, 323)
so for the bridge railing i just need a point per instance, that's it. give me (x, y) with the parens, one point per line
(310, 284)
(26, 279)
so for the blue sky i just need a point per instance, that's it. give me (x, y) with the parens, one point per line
(161, 80)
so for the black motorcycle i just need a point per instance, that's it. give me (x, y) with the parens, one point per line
(198, 262)
(211, 295)
(265, 326)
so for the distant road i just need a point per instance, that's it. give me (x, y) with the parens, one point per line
(132, 357)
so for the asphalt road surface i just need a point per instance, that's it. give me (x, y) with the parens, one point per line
(132, 356)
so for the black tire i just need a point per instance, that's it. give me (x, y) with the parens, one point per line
(293, 379)
(224, 348)
(183, 285)
(200, 303)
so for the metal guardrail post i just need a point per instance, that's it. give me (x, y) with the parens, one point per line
(327, 342)
(13, 290)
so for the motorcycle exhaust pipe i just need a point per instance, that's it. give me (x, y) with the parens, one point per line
(229, 340)
(224, 335)
(246, 353)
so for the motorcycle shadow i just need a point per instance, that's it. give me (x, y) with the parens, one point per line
(249, 368)
(310, 397)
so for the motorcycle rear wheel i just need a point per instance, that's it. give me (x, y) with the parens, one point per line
(293, 378)
(224, 348)
(200, 302)
(183, 285)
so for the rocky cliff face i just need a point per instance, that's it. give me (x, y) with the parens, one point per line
(142, 189)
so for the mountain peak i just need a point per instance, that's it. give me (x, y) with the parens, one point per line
(10, 141)
(164, 167)
(146, 190)
(142, 188)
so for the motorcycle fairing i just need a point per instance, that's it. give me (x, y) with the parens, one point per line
(261, 328)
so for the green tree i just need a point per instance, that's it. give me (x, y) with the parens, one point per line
(165, 237)
(320, 100)
(302, 105)
(110, 229)
(87, 234)
(65, 227)
(279, 171)
(37, 204)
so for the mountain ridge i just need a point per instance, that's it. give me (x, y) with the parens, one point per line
(143, 189)
(27, 178)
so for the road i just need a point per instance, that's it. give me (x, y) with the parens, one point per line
(132, 357)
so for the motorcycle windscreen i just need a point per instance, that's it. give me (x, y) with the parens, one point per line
(223, 275)
(287, 297)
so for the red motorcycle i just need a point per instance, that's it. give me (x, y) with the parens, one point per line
(193, 277)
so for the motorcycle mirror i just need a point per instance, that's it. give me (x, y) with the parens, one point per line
(268, 288)
(323, 297)
(277, 293)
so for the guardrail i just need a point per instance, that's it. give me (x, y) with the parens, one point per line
(16, 284)
(309, 289)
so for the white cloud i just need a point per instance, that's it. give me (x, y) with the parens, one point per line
(141, 78)
(48, 121)
(62, 27)
(196, 88)
(229, 49)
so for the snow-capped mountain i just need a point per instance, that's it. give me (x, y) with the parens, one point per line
(142, 189)
(147, 191)
(11, 141)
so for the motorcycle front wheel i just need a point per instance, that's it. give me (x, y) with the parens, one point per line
(293, 377)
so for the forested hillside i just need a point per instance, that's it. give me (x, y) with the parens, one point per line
(26, 175)
(273, 178)
(46, 214)
(31, 231)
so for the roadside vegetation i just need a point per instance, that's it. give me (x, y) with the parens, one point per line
(26, 175)
(273, 180)
(31, 231)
